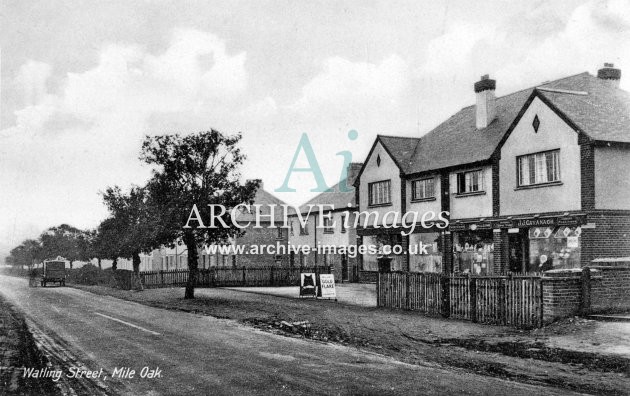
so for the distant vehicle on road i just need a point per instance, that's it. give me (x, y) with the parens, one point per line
(54, 271)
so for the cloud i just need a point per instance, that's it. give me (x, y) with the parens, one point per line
(67, 145)
(349, 91)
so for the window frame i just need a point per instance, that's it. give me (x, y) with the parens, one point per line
(303, 230)
(371, 202)
(532, 171)
(328, 226)
(425, 198)
(481, 182)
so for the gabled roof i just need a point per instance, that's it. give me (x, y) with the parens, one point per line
(338, 199)
(602, 113)
(265, 199)
(400, 148)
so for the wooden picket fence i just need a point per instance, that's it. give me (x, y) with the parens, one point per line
(500, 300)
(231, 276)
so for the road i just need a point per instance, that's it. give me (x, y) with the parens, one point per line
(204, 355)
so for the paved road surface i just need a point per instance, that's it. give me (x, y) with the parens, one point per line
(200, 355)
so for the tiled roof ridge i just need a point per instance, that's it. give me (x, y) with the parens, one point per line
(527, 89)
(397, 136)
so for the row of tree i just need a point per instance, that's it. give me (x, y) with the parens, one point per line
(201, 168)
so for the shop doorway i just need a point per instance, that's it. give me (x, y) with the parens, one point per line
(518, 251)
(344, 268)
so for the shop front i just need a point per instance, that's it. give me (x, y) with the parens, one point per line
(473, 248)
(534, 244)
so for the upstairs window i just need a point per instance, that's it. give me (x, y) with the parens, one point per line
(279, 233)
(304, 228)
(343, 223)
(538, 168)
(380, 193)
(328, 226)
(470, 182)
(423, 189)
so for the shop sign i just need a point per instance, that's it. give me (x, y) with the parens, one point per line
(457, 227)
(327, 284)
(504, 224)
(567, 221)
(486, 225)
(572, 242)
(540, 233)
(307, 284)
(534, 222)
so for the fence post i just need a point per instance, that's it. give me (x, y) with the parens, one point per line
(271, 280)
(244, 276)
(503, 305)
(407, 286)
(162, 278)
(472, 288)
(586, 291)
(378, 290)
(446, 295)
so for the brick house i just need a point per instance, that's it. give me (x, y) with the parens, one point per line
(345, 267)
(535, 180)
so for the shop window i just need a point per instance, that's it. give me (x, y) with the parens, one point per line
(380, 193)
(558, 248)
(423, 189)
(432, 260)
(538, 168)
(470, 182)
(473, 252)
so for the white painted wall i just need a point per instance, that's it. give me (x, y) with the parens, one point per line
(467, 206)
(553, 133)
(425, 206)
(373, 173)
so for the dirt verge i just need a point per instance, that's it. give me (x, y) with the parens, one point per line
(18, 351)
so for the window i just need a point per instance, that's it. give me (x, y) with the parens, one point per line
(303, 228)
(538, 168)
(343, 223)
(328, 226)
(470, 182)
(380, 193)
(279, 234)
(423, 189)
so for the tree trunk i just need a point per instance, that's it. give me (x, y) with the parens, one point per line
(99, 264)
(115, 264)
(71, 264)
(191, 243)
(135, 261)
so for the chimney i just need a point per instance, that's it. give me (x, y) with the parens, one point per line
(610, 75)
(353, 171)
(486, 107)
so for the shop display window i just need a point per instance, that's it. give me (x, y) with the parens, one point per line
(473, 252)
(557, 248)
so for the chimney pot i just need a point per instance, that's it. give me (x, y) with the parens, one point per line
(610, 75)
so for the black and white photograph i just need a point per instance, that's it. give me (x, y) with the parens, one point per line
(285, 197)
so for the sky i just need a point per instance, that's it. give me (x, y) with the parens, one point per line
(82, 82)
